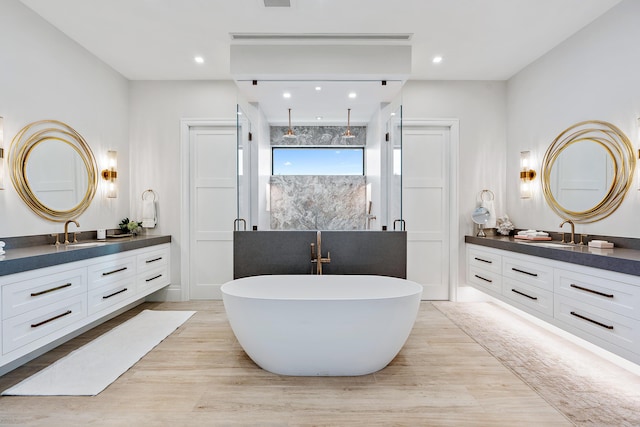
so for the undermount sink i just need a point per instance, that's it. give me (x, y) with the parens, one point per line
(84, 245)
(550, 244)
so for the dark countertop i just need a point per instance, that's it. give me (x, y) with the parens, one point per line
(621, 260)
(19, 259)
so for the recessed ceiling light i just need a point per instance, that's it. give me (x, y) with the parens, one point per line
(286, 95)
(199, 59)
(437, 59)
(318, 88)
(319, 118)
(352, 95)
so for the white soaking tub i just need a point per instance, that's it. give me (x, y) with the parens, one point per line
(329, 325)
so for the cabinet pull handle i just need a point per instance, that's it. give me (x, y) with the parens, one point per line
(573, 313)
(114, 271)
(483, 260)
(35, 325)
(525, 272)
(115, 293)
(57, 288)
(153, 278)
(524, 295)
(153, 260)
(482, 278)
(591, 290)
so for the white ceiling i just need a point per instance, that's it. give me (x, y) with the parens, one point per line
(478, 39)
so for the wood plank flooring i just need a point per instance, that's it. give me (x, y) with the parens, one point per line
(199, 375)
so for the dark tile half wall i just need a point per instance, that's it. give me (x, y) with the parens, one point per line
(381, 253)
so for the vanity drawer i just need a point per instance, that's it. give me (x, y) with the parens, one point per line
(111, 294)
(608, 326)
(531, 273)
(26, 295)
(527, 295)
(484, 260)
(618, 297)
(153, 260)
(23, 329)
(153, 279)
(486, 281)
(111, 271)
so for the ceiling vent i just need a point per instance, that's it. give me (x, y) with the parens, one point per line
(277, 3)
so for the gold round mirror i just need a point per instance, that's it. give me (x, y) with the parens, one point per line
(53, 170)
(587, 171)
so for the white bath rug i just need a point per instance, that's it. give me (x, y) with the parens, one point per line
(91, 368)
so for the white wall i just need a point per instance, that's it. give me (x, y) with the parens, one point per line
(480, 108)
(156, 109)
(591, 76)
(45, 75)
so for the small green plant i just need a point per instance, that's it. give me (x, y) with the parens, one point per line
(128, 226)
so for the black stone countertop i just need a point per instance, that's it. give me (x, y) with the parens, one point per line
(19, 259)
(621, 260)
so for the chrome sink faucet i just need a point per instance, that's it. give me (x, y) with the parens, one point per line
(573, 231)
(316, 254)
(66, 231)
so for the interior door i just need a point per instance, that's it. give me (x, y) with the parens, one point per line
(212, 207)
(425, 206)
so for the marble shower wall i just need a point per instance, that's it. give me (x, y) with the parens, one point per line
(312, 202)
(318, 135)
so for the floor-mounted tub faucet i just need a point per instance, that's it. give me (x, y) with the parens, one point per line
(573, 231)
(316, 254)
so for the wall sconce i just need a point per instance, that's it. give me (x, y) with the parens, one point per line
(527, 175)
(1, 154)
(111, 174)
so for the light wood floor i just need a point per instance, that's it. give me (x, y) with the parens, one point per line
(199, 375)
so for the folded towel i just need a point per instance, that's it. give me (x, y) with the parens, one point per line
(488, 205)
(532, 233)
(600, 244)
(149, 218)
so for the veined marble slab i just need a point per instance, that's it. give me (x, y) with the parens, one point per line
(310, 202)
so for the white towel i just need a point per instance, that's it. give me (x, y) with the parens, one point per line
(149, 218)
(488, 205)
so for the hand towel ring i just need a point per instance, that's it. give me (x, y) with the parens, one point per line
(145, 195)
(487, 193)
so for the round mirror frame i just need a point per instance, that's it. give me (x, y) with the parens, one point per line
(617, 145)
(22, 146)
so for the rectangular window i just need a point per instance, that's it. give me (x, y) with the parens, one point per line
(330, 160)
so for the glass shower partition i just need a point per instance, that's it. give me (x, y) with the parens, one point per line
(394, 171)
(244, 137)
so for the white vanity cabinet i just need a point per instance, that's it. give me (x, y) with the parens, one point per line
(600, 306)
(46, 305)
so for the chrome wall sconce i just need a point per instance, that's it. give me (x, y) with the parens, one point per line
(527, 175)
(110, 174)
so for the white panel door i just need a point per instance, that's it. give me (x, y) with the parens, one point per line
(212, 207)
(425, 207)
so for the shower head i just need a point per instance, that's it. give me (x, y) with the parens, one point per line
(289, 134)
(348, 133)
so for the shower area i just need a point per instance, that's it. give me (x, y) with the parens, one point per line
(319, 156)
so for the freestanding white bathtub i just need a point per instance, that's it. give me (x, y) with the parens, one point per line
(309, 325)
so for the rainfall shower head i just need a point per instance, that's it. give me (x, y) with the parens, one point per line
(289, 134)
(348, 133)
